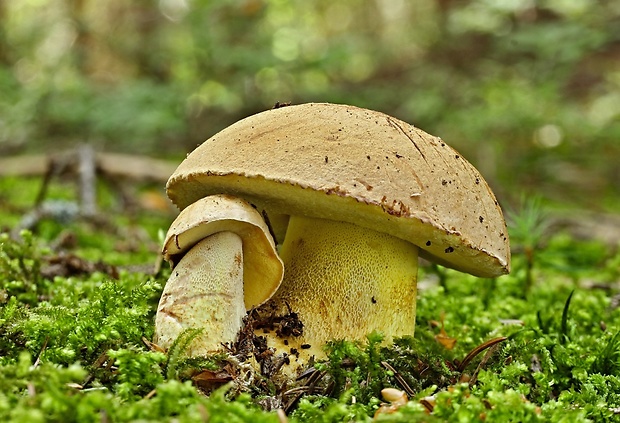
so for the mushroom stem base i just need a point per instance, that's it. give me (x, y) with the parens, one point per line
(344, 282)
(205, 290)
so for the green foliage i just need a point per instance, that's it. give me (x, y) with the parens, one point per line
(71, 348)
(67, 319)
(48, 393)
(176, 363)
(356, 367)
(536, 102)
(41, 393)
(113, 313)
(20, 266)
(607, 361)
(139, 372)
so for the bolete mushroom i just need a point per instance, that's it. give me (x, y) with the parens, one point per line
(364, 193)
(224, 262)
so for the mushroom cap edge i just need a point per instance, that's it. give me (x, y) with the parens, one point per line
(218, 213)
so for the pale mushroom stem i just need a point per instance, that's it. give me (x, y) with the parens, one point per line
(345, 281)
(205, 290)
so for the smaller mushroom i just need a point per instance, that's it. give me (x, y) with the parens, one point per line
(224, 262)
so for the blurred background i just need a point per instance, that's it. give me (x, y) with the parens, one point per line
(527, 90)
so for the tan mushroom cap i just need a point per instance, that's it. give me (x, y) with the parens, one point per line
(262, 268)
(359, 166)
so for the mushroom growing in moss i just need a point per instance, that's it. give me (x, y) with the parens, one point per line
(224, 262)
(354, 196)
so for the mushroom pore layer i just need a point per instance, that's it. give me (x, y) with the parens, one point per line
(345, 281)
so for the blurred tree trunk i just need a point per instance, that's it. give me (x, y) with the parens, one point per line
(148, 53)
(83, 41)
(4, 45)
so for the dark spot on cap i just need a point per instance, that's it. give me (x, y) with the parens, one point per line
(444, 182)
(368, 157)
(326, 159)
(285, 342)
(428, 243)
(457, 156)
(449, 250)
(477, 181)
(481, 219)
(373, 300)
(305, 346)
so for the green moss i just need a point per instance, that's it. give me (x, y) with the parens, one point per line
(72, 347)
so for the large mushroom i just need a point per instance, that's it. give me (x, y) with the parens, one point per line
(354, 196)
(224, 262)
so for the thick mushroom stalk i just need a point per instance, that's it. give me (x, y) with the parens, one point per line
(345, 281)
(224, 262)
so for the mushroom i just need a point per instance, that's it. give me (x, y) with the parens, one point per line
(354, 196)
(224, 262)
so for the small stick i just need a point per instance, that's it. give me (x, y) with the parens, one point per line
(473, 353)
(97, 364)
(401, 381)
(43, 348)
(88, 177)
(484, 360)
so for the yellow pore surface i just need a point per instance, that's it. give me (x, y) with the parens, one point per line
(345, 281)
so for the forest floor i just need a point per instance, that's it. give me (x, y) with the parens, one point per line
(78, 294)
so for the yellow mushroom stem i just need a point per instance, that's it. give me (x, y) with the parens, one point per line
(344, 282)
(205, 290)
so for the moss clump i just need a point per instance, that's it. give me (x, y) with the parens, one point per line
(542, 344)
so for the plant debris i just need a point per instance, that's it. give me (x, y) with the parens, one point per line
(68, 264)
